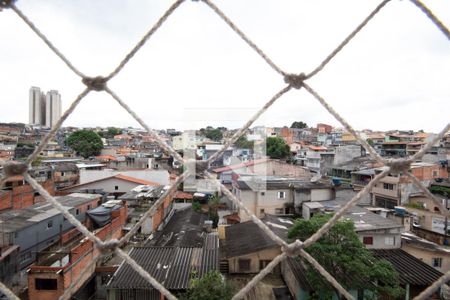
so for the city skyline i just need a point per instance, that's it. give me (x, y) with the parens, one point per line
(44, 108)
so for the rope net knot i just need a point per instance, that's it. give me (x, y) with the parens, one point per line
(293, 249)
(95, 83)
(14, 168)
(109, 246)
(399, 165)
(294, 80)
(6, 4)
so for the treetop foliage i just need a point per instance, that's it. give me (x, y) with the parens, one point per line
(346, 258)
(85, 143)
(277, 148)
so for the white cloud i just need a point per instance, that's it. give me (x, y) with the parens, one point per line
(394, 74)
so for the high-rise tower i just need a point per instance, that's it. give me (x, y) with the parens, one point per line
(44, 110)
(37, 107)
(52, 108)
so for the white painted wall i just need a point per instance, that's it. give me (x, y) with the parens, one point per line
(159, 176)
(108, 185)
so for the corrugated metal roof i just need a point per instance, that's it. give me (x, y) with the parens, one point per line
(174, 267)
(247, 237)
(411, 270)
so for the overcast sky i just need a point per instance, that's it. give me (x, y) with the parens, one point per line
(195, 71)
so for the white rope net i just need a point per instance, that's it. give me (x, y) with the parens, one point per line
(293, 81)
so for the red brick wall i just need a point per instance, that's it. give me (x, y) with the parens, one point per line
(81, 257)
(69, 235)
(426, 173)
(33, 293)
(5, 200)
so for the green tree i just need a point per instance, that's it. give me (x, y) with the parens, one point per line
(211, 286)
(299, 125)
(277, 148)
(112, 131)
(213, 134)
(346, 258)
(85, 143)
(242, 142)
(213, 204)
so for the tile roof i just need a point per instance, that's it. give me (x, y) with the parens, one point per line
(174, 267)
(182, 195)
(185, 229)
(118, 176)
(135, 180)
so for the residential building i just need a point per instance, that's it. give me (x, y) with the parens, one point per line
(394, 190)
(36, 107)
(316, 157)
(433, 254)
(116, 185)
(140, 199)
(174, 266)
(65, 175)
(53, 108)
(414, 275)
(261, 167)
(158, 176)
(324, 128)
(428, 220)
(17, 193)
(68, 265)
(278, 195)
(40, 226)
(248, 249)
(374, 231)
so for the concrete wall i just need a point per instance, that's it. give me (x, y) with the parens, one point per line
(108, 185)
(81, 256)
(38, 236)
(268, 254)
(158, 176)
(427, 255)
(379, 239)
(267, 200)
(346, 153)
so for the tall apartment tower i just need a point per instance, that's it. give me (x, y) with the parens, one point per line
(52, 108)
(37, 107)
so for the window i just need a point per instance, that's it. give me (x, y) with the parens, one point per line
(263, 193)
(390, 240)
(77, 212)
(62, 174)
(244, 265)
(368, 240)
(435, 173)
(45, 284)
(263, 264)
(88, 207)
(16, 235)
(388, 186)
(281, 195)
(49, 224)
(279, 211)
(116, 188)
(436, 262)
(261, 211)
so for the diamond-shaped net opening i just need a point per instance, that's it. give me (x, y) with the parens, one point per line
(293, 81)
